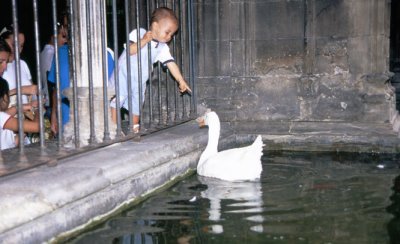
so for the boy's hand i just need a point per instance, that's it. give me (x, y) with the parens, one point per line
(133, 48)
(148, 36)
(183, 87)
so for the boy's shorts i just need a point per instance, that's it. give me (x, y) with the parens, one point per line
(123, 102)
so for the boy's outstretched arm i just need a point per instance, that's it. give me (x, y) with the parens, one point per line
(176, 73)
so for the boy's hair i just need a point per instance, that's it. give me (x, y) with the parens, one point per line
(4, 47)
(163, 13)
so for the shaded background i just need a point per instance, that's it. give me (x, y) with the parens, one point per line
(26, 25)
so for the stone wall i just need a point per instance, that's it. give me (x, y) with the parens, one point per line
(295, 60)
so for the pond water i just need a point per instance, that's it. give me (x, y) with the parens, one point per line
(302, 197)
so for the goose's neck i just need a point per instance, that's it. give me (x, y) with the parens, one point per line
(213, 137)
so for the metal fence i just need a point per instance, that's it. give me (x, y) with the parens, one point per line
(93, 28)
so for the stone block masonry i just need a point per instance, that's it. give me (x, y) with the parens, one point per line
(304, 60)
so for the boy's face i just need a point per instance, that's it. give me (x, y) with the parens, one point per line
(4, 56)
(164, 29)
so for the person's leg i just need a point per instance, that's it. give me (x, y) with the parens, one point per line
(113, 107)
(136, 119)
(114, 115)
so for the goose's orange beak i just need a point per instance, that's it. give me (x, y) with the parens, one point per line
(201, 122)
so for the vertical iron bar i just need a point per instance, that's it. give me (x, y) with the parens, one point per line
(166, 87)
(159, 86)
(116, 79)
(90, 72)
(150, 66)
(39, 75)
(106, 136)
(139, 57)
(73, 70)
(128, 65)
(193, 110)
(167, 96)
(57, 66)
(159, 93)
(182, 44)
(18, 75)
(175, 55)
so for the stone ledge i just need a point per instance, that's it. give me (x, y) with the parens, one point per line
(321, 136)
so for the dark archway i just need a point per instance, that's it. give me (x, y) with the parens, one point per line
(395, 37)
(26, 25)
(395, 48)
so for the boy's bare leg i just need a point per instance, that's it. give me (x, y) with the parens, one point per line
(136, 123)
(136, 119)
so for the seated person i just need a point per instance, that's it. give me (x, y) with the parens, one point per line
(9, 124)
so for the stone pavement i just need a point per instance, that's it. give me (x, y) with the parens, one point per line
(64, 196)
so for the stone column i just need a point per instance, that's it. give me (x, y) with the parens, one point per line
(305, 84)
(87, 11)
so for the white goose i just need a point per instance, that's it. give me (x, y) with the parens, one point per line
(237, 164)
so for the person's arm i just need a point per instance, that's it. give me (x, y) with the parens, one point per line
(29, 126)
(53, 116)
(13, 110)
(146, 39)
(176, 73)
(26, 90)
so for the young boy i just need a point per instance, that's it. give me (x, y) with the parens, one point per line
(163, 26)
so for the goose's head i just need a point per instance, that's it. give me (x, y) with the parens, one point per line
(208, 118)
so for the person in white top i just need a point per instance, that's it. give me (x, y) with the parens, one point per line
(7, 33)
(8, 123)
(163, 26)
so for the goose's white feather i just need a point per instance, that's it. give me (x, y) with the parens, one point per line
(237, 164)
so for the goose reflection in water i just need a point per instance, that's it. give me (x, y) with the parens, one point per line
(246, 197)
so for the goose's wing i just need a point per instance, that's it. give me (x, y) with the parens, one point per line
(234, 164)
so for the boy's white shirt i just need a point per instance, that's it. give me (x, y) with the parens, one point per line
(159, 53)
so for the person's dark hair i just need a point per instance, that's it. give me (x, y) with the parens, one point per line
(50, 32)
(162, 13)
(6, 32)
(4, 94)
(4, 47)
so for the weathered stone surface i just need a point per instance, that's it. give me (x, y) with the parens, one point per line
(303, 60)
